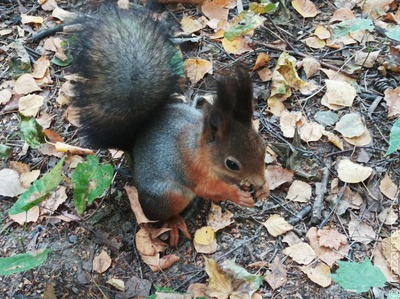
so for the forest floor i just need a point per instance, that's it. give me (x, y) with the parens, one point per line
(318, 197)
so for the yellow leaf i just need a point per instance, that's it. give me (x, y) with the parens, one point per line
(204, 235)
(305, 7)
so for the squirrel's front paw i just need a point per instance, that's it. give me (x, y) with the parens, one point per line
(245, 199)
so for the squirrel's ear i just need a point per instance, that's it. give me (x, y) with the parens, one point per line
(243, 108)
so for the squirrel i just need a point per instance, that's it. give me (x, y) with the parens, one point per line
(178, 151)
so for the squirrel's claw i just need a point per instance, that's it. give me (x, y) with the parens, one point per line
(263, 192)
(176, 223)
(245, 199)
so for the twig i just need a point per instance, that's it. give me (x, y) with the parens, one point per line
(320, 190)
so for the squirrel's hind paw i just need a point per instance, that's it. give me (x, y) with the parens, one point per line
(176, 223)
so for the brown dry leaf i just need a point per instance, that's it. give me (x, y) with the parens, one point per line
(375, 8)
(276, 176)
(119, 284)
(147, 243)
(27, 178)
(337, 76)
(277, 274)
(322, 32)
(382, 263)
(196, 68)
(237, 46)
(262, 59)
(299, 191)
(220, 284)
(361, 232)
(362, 140)
(25, 19)
(327, 255)
(291, 238)
(40, 67)
(26, 84)
(311, 131)
(265, 74)
(392, 98)
(73, 160)
(277, 225)
(65, 93)
(391, 253)
(31, 215)
(191, 25)
(51, 204)
(331, 238)
(395, 240)
(218, 220)
(289, 121)
(351, 125)
(135, 205)
(306, 8)
(342, 14)
(19, 167)
(366, 59)
(309, 88)
(30, 104)
(350, 172)
(101, 262)
(315, 42)
(301, 253)
(72, 150)
(67, 217)
(215, 9)
(339, 93)
(388, 188)
(165, 262)
(334, 139)
(310, 66)
(388, 216)
(45, 119)
(10, 184)
(318, 273)
(197, 290)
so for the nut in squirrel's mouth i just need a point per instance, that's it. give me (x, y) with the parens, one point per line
(245, 185)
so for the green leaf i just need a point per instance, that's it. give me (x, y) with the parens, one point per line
(345, 27)
(39, 190)
(394, 139)
(393, 33)
(31, 131)
(359, 277)
(22, 262)
(5, 151)
(90, 181)
(66, 62)
(239, 273)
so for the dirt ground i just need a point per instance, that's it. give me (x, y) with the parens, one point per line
(109, 224)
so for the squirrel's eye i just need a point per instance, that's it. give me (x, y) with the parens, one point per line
(232, 164)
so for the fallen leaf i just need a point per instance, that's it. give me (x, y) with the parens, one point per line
(25, 19)
(10, 184)
(215, 9)
(388, 216)
(5, 96)
(32, 215)
(339, 93)
(322, 32)
(26, 84)
(314, 42)
(135, 205)
(119, 284)
(306, 8)
(196, 68)
(288, 122)
(236, 46)
(276, 176)
(336, 141)
(318, 273)
(27, 178)
(388, 188)
(331, 238)
(366, 59)
(30, 104)
(311, 131)
(51, 204)
(262, 59)
(220, 284)
(351, 125)
(204, 235)
(299, 191)
(342, 14)
(277, 275)
(277, 225)
(362, 140)
(310, 66)
(361, 232)
(301, 253)
(40, 67)
(350, 172)
(392, 98)
(101, 262)
(191, 25)
(218, 220)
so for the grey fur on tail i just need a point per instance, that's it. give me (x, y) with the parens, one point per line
(129, 68)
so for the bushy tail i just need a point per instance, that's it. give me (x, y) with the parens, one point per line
(130, 69)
